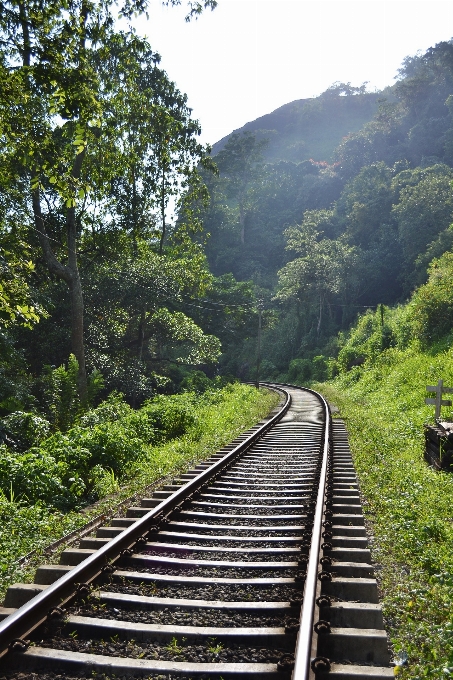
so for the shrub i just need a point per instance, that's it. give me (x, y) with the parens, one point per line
(38, 477)
(113, 408)
(373, 334)
(24, 430)
(197, 381)
(59, 396)
(300, 371)
(110, 445)
(431, 307)
(170, 416)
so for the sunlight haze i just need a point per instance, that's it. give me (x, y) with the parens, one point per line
(248, 57)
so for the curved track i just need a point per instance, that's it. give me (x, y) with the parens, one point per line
(225, 573)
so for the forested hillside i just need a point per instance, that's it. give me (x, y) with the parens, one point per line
(311, 128)
(320, 209)
(349, 222)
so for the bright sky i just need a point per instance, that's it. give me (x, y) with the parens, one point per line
(248, 57)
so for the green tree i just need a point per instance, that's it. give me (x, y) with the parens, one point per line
(325, 268)
(240, 163)
(157, 152)
(138, 323)
(54, 113)
(366, 203)
(423, 209)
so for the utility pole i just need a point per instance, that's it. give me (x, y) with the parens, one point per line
(258, 357)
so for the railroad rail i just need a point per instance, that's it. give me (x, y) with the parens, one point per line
(253, 565)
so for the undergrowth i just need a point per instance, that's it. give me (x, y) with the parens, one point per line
(409, 505)
(163, 438)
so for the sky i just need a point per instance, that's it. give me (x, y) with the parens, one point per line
(248, 57)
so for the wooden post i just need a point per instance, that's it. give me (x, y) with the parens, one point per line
(438, 402)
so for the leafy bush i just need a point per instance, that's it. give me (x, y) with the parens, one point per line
(223, 414)
(59, 395)
(431, 307)
(373, 333)
(170, 416)
(300, 371)
(104, 482)
(92, 456)
(23, 430)
(196, 381)
(303, 371)
(38, 477)
(113, 408)
(111, 445)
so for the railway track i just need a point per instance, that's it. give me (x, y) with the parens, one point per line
(253, 565)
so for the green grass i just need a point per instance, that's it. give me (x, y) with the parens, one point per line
(408, 504)
(219, 416)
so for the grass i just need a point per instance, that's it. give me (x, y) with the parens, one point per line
(408, 504)
(220, 417)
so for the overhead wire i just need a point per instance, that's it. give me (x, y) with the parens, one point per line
(210, 302)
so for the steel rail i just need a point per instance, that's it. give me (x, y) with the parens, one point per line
(27, 618)
(302, 656)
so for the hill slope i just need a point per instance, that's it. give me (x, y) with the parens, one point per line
(311, 128)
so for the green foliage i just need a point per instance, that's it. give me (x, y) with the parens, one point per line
(211, 420)
(15, 382)
(170, 416)
(36, 476)
(373, 333)
(431, 307)
(59, 394)
(196, 381)
(425, 319)
(424, 207)
(23, 430)
(304, 371)
(408, 504)
(300, 371)
(108, 443)
(137, 328)
(24, 528)
(16, 297)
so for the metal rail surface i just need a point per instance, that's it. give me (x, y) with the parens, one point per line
(218, 574)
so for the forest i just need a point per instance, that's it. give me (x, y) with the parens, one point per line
(340, 207)
(136, 264)
(135, 260)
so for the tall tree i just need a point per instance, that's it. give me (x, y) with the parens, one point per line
(53, 112)
(240, 162)
(325, 268)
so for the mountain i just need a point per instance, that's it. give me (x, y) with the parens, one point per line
(311, 128)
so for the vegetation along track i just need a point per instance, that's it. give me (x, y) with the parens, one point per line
(255, 564)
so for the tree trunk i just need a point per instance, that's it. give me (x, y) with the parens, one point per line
(242, 220)
(320, 316)
(162, 212)
(70, 274)
(78, 347)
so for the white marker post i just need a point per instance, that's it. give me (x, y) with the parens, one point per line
(439, 389)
